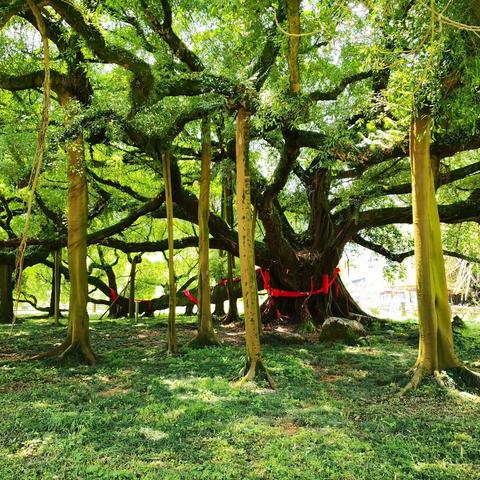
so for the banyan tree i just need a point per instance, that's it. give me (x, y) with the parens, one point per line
(328, 92)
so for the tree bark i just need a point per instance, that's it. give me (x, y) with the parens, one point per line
(205, 335)
(54, 309)
(435, 352)
(133, 273)
(247, 253)
(227, 193)
(6, 293)
(77, 342)
(172, 345)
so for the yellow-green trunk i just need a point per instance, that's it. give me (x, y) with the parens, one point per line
(436, 340)
(245, 240)
(206, 334)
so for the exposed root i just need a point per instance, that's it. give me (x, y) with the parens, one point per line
(444, 379)
(417, 377)
(79, 350)
(202, 340)
(469, 377)
(252, 369)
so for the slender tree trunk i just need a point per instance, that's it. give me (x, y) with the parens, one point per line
(227, 193)
(219, 310)
(247, 253)
(172, 346)
(133, 273)
(6, 293)
(205, 335)
(78, 336)
(56, 287)
(436, 352)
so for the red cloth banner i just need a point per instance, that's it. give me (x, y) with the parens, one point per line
(276, 292)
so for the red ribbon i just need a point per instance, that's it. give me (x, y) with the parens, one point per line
(276, 292)
(113, 294)
(190, 297)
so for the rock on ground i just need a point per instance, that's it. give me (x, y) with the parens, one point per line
(336, 329)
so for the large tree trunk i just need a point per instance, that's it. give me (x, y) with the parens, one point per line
(6, 294)
(172, 346)
(247, 254)
(205, 335)
(316, 307)
(308, 269)
(435, 351)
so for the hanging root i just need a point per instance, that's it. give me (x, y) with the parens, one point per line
(80, 350)
(251, 370)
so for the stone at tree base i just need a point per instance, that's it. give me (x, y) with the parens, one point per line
(336, 329)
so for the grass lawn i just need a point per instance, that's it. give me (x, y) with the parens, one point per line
(335, 415)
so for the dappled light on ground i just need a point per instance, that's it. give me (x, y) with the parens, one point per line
(335, 415)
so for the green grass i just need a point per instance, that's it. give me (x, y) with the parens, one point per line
(335, 415)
